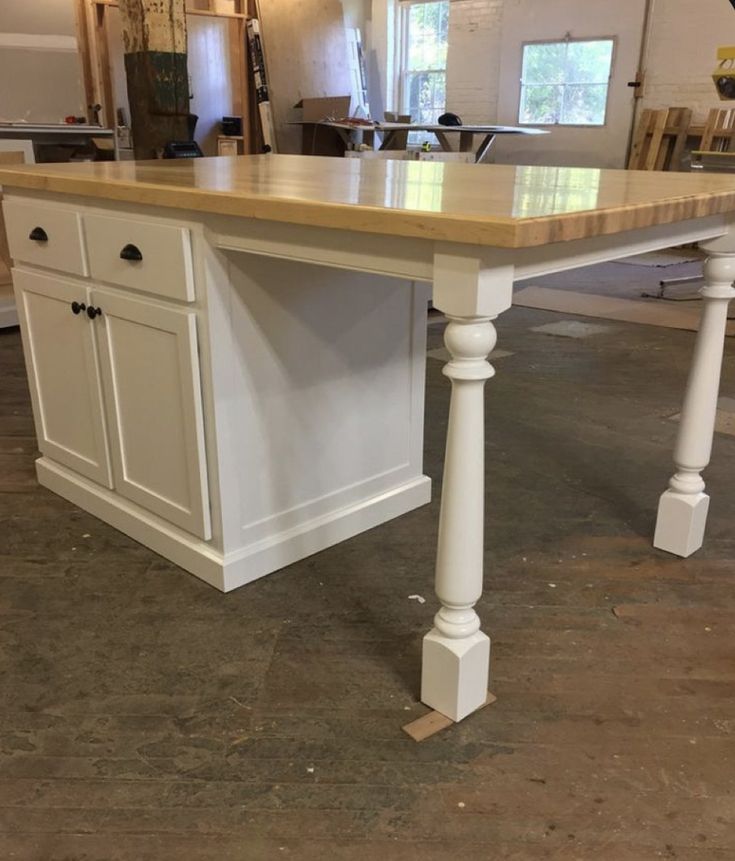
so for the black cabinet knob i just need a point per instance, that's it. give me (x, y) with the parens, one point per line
(131, 252)
(38, 234)
(93, 312)
(77, 307)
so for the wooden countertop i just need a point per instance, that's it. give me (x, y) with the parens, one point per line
(501, 205)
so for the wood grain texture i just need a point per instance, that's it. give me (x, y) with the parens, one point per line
(497, 205)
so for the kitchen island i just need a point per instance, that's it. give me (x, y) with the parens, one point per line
(226, 355)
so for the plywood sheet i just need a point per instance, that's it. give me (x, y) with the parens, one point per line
(305, 46)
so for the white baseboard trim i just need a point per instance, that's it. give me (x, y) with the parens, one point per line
(244, 566)
(249, 563)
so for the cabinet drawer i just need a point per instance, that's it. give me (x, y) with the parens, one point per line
(140, 255)
(63, 245)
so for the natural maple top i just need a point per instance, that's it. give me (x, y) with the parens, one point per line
(501, 205)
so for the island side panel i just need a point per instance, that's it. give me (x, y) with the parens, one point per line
(318, 382)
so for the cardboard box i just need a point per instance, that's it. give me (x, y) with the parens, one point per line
(329, 107)
(317, 139)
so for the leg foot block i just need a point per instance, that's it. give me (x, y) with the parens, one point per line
(680, 522)
(454, 673)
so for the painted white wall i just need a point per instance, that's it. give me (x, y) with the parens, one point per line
(40, 71)
(528, 21)
(473, 59)
(380, 43)
(356, 13)
(39, 16)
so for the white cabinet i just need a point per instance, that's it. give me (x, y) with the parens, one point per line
(150, 371)
(116, 393)
(63, 373)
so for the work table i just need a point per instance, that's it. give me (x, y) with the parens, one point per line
(226, 356)
(500, 205)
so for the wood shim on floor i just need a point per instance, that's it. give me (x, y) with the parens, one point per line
(651, 313)
(434, 722)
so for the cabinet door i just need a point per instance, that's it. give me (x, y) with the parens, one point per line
(62, 372)
(150, 373)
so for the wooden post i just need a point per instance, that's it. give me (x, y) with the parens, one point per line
(154, 35)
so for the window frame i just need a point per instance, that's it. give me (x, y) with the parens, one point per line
(567, 40)
(403, 8)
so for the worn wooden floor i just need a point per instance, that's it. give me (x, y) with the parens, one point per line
(143, 715)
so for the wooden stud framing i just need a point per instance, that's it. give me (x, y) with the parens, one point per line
(94, 49)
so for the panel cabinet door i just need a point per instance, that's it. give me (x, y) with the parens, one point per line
(63, 374)
(150, 373)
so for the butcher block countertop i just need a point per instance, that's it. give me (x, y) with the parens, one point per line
(496, 205)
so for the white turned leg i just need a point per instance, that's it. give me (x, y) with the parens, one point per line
(682, 509)
(456, 654)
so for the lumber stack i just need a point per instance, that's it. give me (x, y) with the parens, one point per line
(718, 130)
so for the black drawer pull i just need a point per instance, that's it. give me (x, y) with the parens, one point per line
(131, 252)
(93, 312)
(77, 307)
(38, 234)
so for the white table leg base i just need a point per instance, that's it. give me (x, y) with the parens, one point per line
(681, 522)
(682, 509)
(454, 673)
(456, 653)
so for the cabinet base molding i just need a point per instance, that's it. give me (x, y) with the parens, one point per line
(229, 571)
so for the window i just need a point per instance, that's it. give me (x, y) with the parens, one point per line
(565, 83)
(423, 76)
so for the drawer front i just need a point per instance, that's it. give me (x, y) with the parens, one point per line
(141, 255)
(63, 245)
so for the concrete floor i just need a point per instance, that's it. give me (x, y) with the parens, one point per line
(146, 716)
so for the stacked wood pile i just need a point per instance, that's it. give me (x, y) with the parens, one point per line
(661, 135)
(719, 131)
(660, 139)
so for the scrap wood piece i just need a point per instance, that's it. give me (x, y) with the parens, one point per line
(718, 130)
(677, 129)
(659, 140)
(638, 148)
(434, 722)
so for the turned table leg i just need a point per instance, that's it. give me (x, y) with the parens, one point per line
(456, 653)
(682, 509)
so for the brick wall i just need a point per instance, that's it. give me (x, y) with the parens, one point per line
(684, 38)
(473, 61)
(682, 53)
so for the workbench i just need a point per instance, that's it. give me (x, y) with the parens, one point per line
(226, 355)
(68, 135)
(390, 130)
